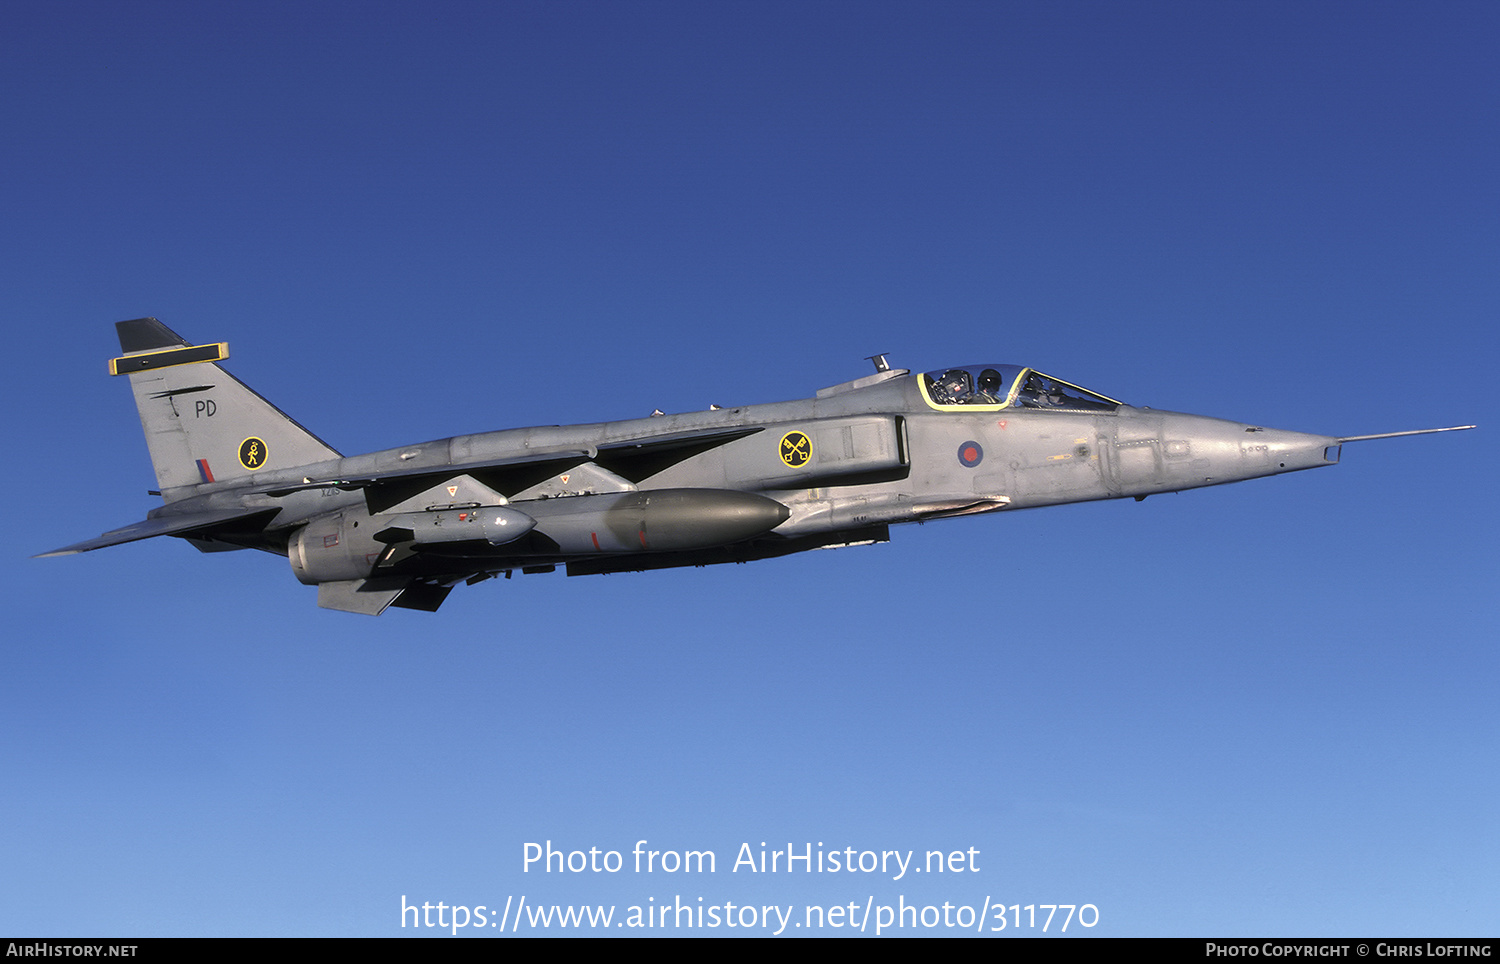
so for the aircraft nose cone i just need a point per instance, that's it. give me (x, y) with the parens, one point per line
(1277, 450)
(1183, 451)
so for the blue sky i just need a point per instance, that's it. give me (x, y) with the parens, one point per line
(1259, 709)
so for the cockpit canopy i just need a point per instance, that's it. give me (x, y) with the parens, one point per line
(1007, 386)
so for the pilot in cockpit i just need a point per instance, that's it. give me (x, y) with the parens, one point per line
(991, 390)
(1033, 394)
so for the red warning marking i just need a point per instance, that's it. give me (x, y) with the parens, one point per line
(595, 537)
(1001, 423)
(643, 538)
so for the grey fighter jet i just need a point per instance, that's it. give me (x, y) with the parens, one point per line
(403, 526)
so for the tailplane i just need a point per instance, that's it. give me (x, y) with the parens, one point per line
(202, 424)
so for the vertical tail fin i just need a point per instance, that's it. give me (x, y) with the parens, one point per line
(202, 424)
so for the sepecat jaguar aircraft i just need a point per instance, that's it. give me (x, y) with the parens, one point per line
(402, 527)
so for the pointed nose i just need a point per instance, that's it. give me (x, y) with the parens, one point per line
(1281, 451)
(1167, 451)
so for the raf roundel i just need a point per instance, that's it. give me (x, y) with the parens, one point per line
(252, 453)
(970, 454)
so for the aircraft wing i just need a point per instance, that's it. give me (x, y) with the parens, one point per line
(427, 472)
(391, 486)
(631, 458)
(679, 440)
(176, 525)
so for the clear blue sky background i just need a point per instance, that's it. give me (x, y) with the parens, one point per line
(1267, 708)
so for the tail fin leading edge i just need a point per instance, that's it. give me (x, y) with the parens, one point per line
(202, 424)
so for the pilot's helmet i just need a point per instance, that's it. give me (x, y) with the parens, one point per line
(952, 385)
(989, 381)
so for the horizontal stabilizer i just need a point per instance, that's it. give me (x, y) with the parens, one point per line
(176, 525)
(353, 596)
(371, 597)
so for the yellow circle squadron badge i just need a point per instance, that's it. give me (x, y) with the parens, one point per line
(796, 449)
(252, 453)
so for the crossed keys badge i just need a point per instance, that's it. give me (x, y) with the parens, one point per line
(796, 449)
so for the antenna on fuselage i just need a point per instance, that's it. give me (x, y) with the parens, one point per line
(881, 365)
